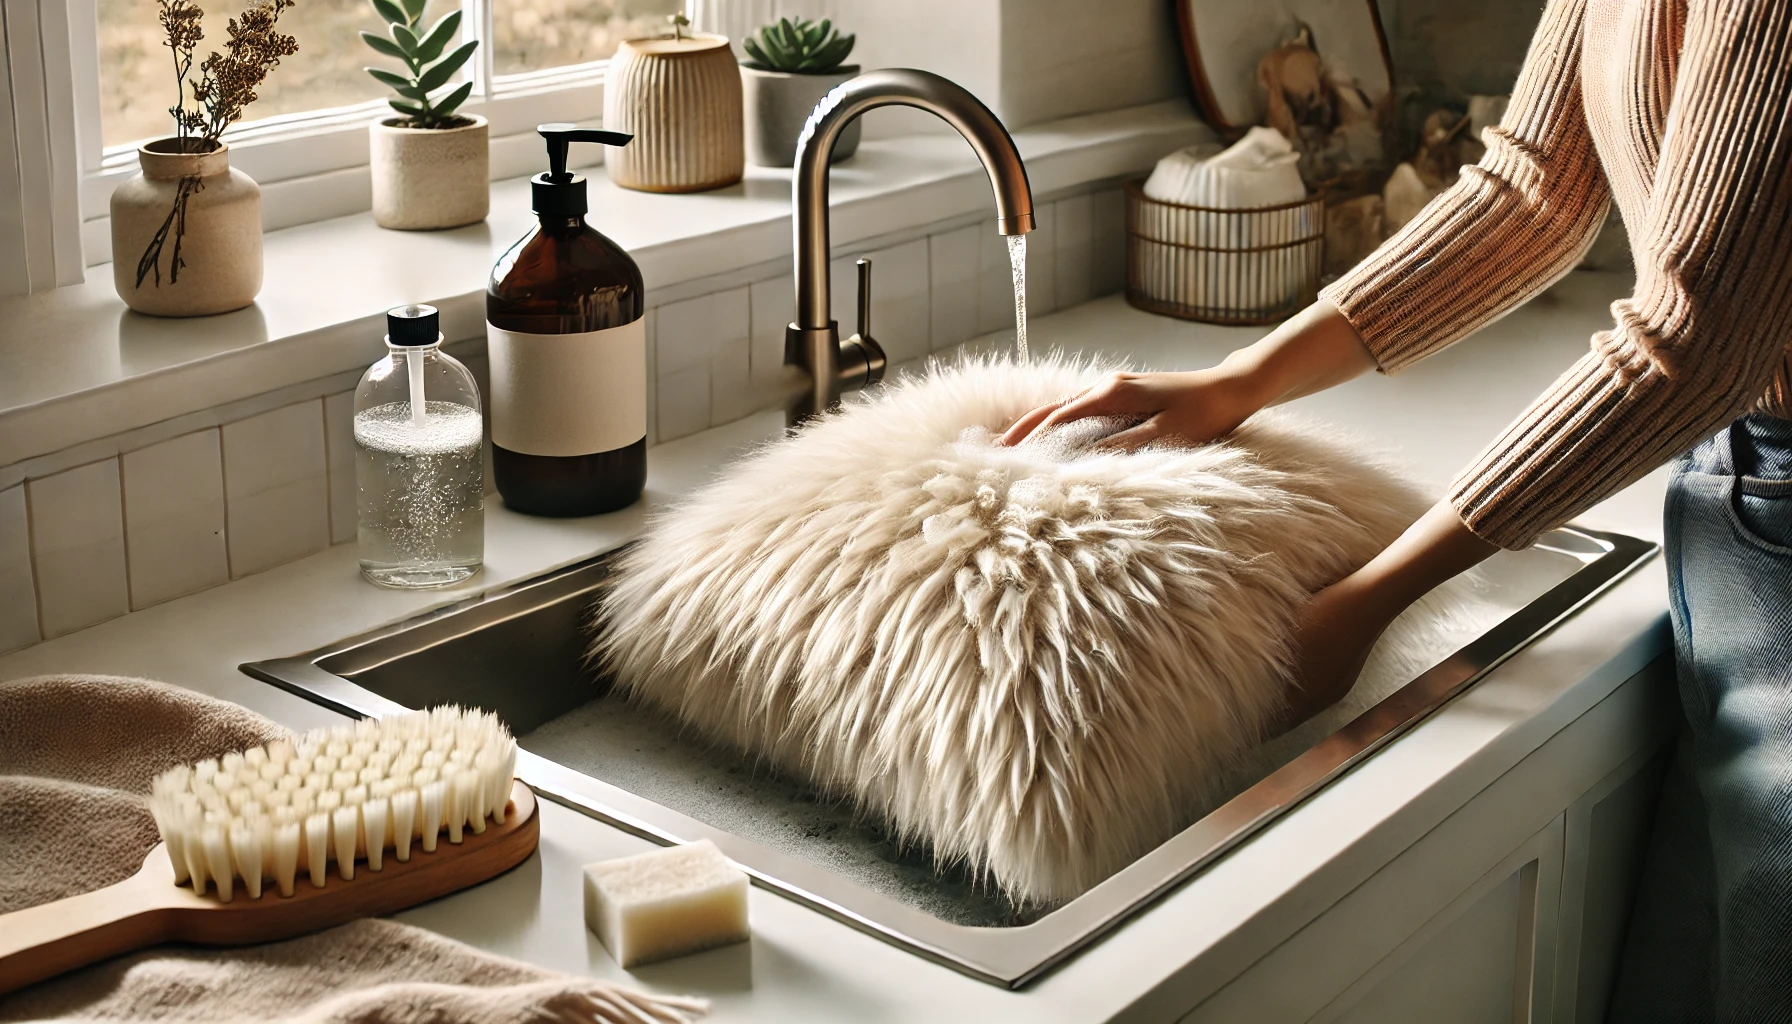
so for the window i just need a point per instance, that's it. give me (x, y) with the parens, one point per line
(539, 60)
(137, 84)
(137, 75)
(532, 35)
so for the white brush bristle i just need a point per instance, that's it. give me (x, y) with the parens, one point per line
(274, 813)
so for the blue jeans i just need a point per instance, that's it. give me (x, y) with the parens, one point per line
(1711, 934)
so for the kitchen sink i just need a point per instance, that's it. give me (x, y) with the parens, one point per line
(519, 651)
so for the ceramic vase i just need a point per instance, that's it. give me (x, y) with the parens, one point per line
(681, 100)
(429, 178)
(778, 104)
(186, 232)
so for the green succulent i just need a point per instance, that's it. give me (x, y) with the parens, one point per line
(802, 47)
(421, 52)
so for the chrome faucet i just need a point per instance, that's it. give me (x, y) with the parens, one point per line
(812, 342)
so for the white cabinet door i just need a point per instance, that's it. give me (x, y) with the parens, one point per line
(1606, 836)
(1485, 959)
(1423, 940)
(1467, 923)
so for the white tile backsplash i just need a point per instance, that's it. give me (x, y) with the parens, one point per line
(901, 307)
(18, 591)
(276, 487)
(174, 517)
(731, 391)
(684, 402)
(692, 332)
(77, 547)
(953, 272)
(1074, 249)
(772, 310)
(339, 449)
(1108, 211)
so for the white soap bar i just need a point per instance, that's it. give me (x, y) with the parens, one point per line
(666, 903)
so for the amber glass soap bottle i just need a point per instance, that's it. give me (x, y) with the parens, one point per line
(568, 349)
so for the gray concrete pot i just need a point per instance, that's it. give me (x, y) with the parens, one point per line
(429, 178)
(777, 105)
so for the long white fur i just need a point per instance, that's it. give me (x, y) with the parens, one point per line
(1035, 659)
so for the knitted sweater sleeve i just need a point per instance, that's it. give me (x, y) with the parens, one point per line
(1508, 228)
(1705, 330)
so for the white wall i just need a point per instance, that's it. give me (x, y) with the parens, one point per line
(1067, 57)
(1029, 60)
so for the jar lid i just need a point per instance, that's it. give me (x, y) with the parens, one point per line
(413, 325)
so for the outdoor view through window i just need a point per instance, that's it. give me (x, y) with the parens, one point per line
(137, 69)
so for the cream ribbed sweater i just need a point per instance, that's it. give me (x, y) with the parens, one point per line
(1681, 110)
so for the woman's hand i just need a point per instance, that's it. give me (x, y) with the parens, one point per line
(1190, 406)
(1341, 623)
(1313, 350)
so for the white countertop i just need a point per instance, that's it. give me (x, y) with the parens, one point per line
(802, 965)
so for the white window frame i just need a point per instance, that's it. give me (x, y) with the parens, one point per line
(312, 165)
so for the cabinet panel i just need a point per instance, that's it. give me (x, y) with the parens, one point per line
(1606, 838)
(1416, 942)
(1469, 972)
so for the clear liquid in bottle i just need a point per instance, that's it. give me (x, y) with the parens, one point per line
(421, 506)
(419, 460)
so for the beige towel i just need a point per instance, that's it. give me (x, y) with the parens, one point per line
(76, 755)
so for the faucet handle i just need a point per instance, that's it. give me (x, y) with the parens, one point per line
(861, 357)
(864, 298)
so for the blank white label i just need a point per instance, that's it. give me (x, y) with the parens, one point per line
(569, 394)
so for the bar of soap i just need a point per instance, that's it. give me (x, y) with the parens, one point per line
(666, 903)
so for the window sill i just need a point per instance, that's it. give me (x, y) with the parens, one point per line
(77, 367)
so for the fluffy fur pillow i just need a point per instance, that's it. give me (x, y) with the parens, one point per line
(1035, 659)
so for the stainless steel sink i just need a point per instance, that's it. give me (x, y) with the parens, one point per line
(519, 651)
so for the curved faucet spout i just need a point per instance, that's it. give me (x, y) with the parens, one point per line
(812, 340)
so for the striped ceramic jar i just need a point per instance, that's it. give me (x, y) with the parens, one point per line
(680, 99)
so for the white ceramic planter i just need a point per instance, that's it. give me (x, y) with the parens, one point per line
(218, 253)
(778, 103)
(429, 178)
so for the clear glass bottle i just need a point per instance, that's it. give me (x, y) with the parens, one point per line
(419, 473)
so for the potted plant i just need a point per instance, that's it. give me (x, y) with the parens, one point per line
(431, 166)
(186, 229)
(793, 65)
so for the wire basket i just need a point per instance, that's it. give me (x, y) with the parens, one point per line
(1245, 266)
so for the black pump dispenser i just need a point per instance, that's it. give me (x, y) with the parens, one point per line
(557, 192)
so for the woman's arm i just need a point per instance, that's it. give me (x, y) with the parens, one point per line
(1311, 351)
(1706, 329)
(1343, 621)
(1508, 228)
(1702, 338)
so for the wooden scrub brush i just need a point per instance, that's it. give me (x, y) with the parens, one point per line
(407, 809)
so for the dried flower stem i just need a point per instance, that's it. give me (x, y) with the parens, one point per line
(226, 85)
(151, 261)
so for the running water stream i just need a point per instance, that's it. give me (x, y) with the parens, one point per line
(1017, 262)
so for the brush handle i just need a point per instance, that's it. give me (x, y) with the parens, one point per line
(148, 908)
(44, 941)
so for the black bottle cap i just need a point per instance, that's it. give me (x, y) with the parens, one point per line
(413, 325)
(557, 192)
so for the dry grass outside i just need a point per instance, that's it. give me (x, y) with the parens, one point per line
(137, 73)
